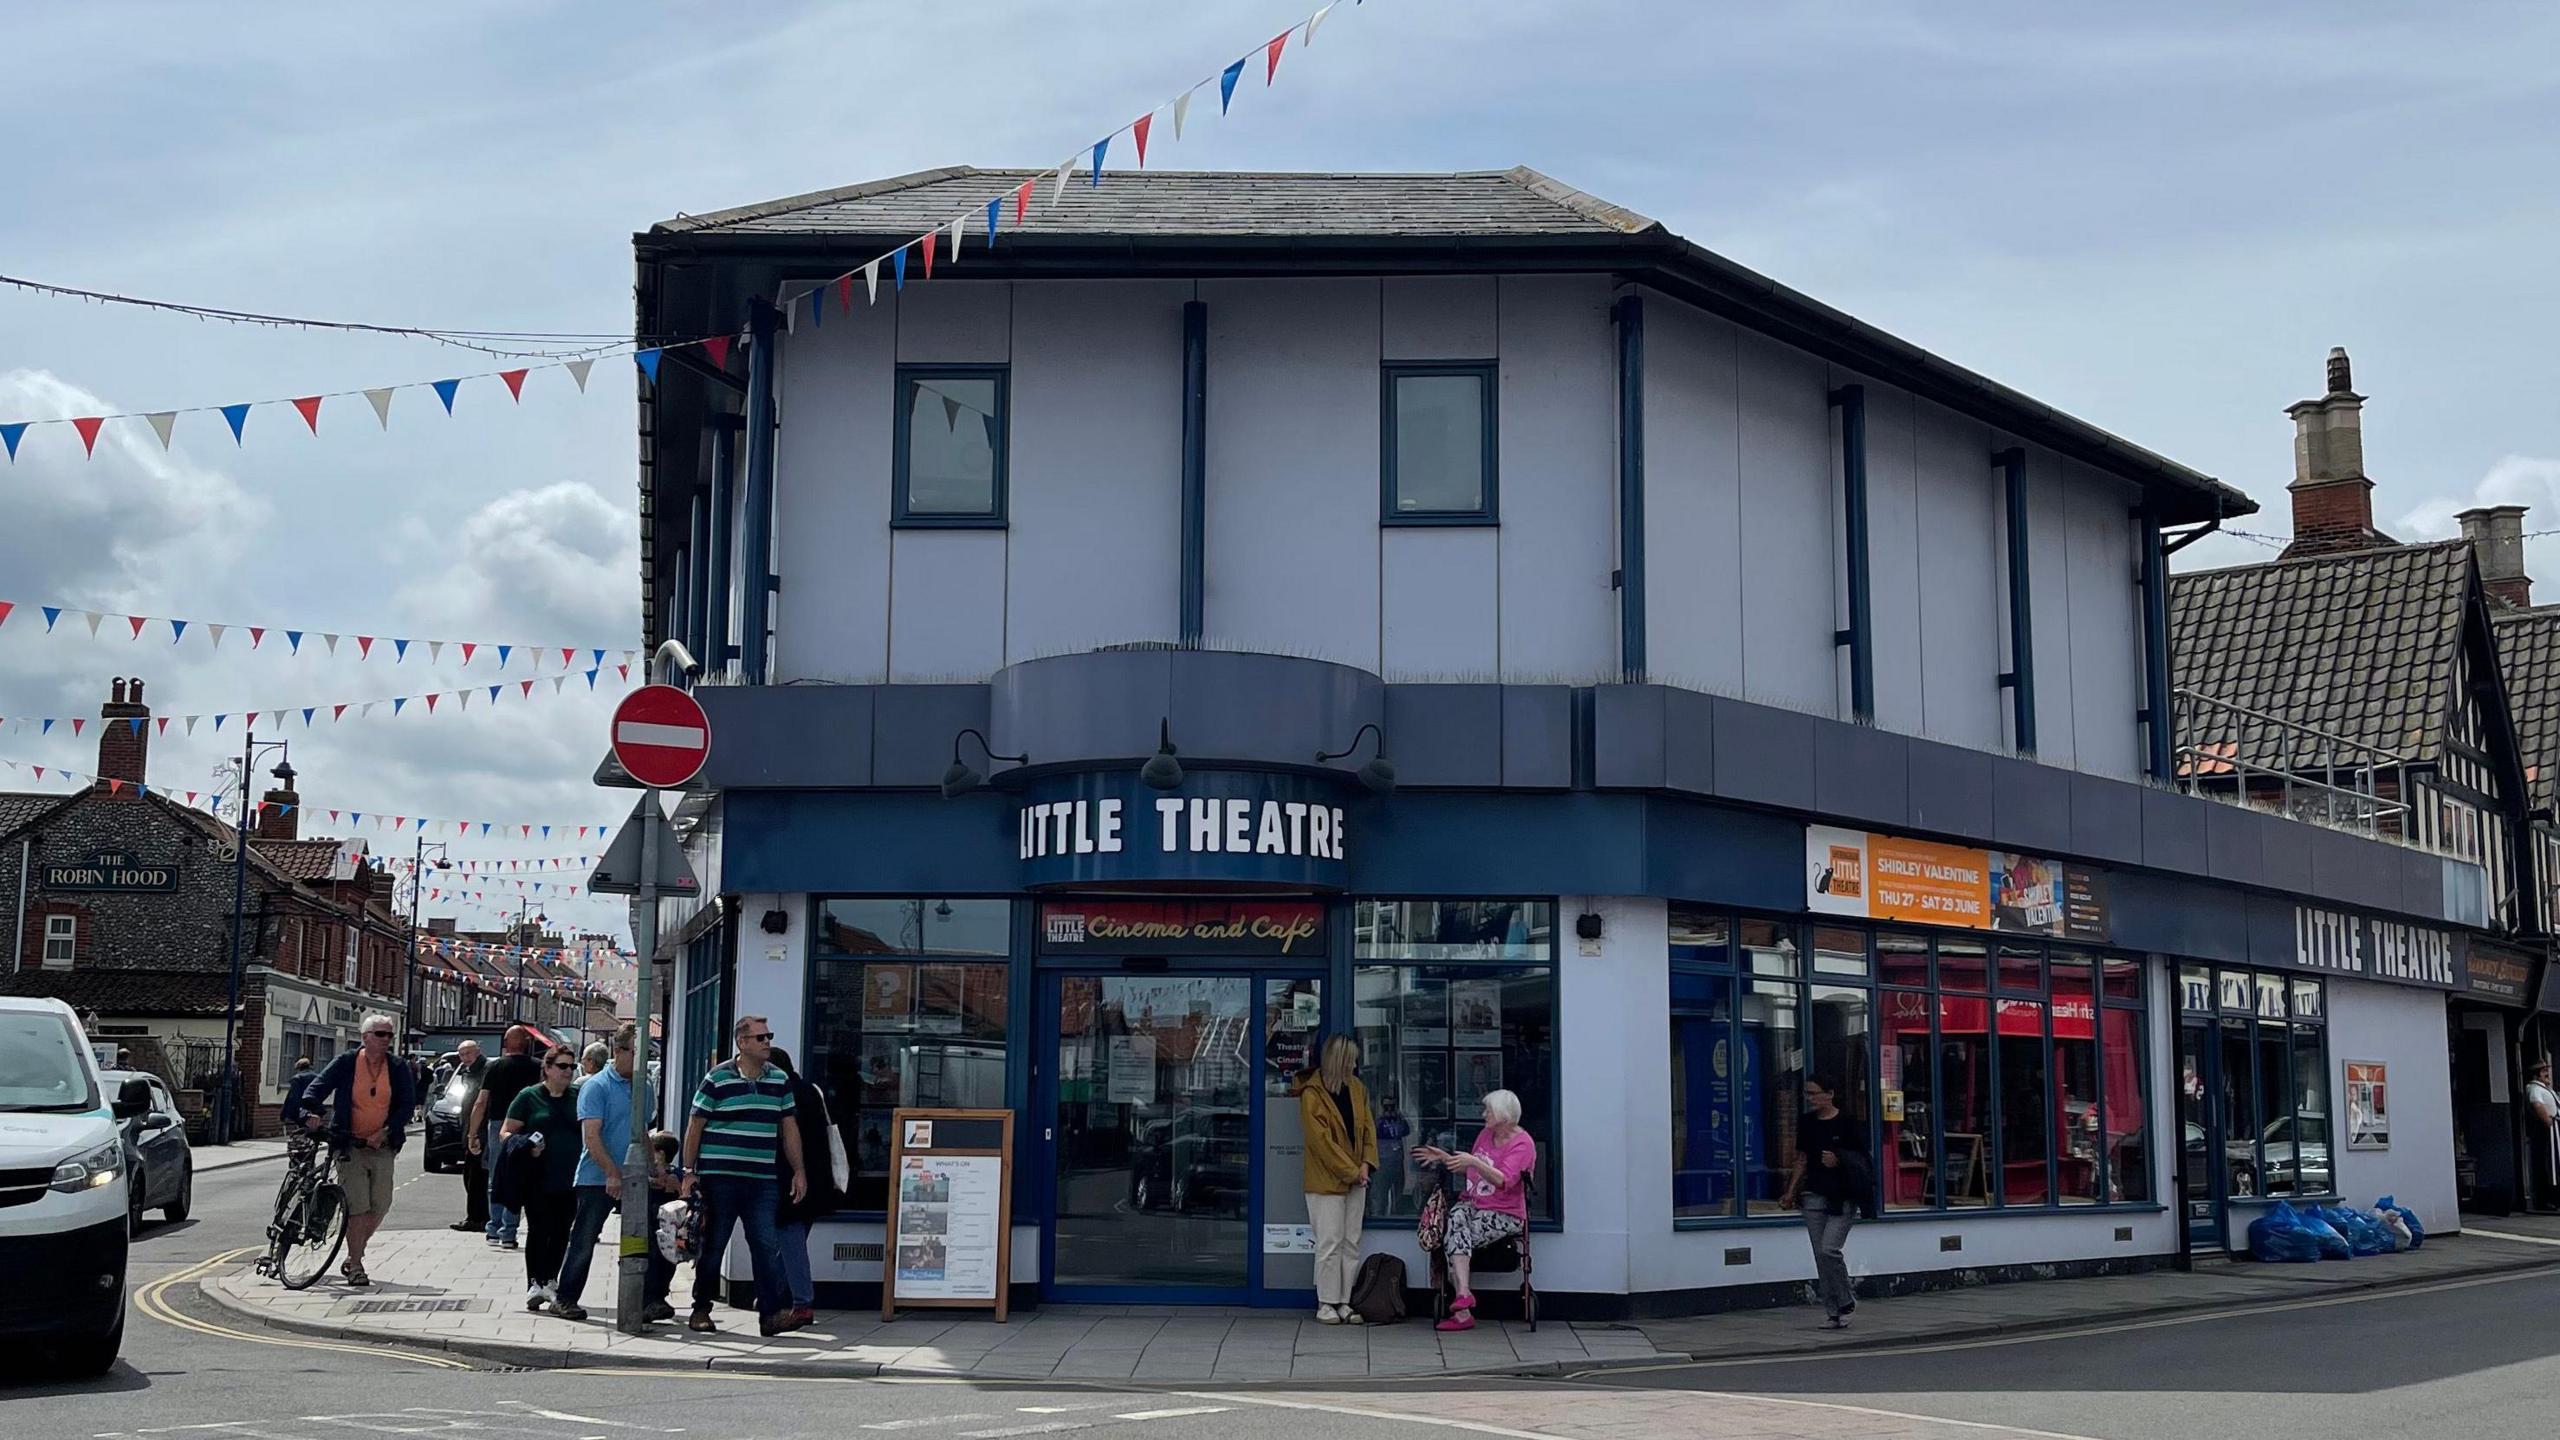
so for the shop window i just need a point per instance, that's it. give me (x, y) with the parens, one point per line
(61, 941)
(1451, 999)
(908, 1005)
(2026, 1099)
(950, 445)
(2126, 1099)
(1706, 1076)
(1908, 1075)
(2022, 969)
(1903, 959)
(1773, 1049)
(2078, 1161)
(1966, 1133)
(1438, 456)
(1838, 950)
(1769, 948)
(1963, 965)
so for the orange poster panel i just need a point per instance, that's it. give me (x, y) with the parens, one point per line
(1925, 881)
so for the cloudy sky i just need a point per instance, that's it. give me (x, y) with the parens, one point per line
(2158, 217)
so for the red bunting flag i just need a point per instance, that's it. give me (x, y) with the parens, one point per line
(625, 669)
(929, 237)
(528, 686)
(1022, 201)
(1272, 52)
(515, 383)
(88, 425)
(1139, 128)
(364, 647)
(5, 607)
(566, 655)
(309, 405)
(717, 347)
(844, 292)
(76, 723)
(164, 724)
(114, 786)
(431, 703)
(137, 622)
(338, 712)
(256, 634)
(467, 647)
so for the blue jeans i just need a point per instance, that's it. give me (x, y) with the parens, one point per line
(503, 1219)
(594, 1208)
(795, 1265)
(734, 1200)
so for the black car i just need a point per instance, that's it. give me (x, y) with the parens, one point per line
(447, 1106)
(1193, 1162)
(163, 1174)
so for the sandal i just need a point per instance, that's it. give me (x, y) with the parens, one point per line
(701, 1323)
(355, 1275)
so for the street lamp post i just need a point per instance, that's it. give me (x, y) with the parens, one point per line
(418, 888)
(249, 748)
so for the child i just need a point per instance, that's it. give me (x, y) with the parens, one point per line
(666, 1178)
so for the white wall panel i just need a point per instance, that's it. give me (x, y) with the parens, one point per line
(1693, 500)
(1439, 586)
(2053, 592)
(2106, 625)
(831, 499)
(1964, 608)
(952, 321)
(2403, 1028)
(947, 605)
(1559, 436)
(1790, 545)
(1293, 467)
(1096, 481)
(1438, 317)
(1894, 557)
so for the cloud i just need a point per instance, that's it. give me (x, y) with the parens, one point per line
(2532, 481)
(557, 564)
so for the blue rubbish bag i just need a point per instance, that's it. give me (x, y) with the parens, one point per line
(2417, 1232)
(2333, 1243)
(2365, 1235)
(2280, 1236)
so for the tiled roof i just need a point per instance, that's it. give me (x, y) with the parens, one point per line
(301, 859)
(1193, 204)
(2529, 658)
(17, 807)
(2359, 645)
(113, 992)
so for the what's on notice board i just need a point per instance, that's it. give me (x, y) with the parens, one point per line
(950, 1211)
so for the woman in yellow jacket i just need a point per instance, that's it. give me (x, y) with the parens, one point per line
(1341, 1156)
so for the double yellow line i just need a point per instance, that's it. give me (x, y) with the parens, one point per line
(153, 1300)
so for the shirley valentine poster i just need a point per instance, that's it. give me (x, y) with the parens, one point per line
(2368, 1106)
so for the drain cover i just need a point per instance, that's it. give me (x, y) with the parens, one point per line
(411, 1307)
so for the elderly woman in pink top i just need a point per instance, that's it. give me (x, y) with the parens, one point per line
(1495, 1201)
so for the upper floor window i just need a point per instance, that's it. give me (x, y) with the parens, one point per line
(1437, 459)
(61, 939)
(950, 455)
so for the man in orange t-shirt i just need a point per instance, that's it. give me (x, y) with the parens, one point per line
(373, 1093)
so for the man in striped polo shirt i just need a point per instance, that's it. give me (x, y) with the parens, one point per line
(741, 1119)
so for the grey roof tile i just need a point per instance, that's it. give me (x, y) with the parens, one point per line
(2529, 659)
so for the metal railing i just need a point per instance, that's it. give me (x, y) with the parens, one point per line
(2300, 771)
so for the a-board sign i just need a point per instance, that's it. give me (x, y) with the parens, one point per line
(950, 1239)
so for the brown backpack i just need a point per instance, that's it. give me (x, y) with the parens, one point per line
(1377, 1292)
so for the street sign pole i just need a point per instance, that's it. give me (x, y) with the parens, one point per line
(638, 1221)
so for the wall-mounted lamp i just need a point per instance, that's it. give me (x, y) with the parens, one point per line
(960, 779)
(1587, 925)
(776, 922)
(1379, 774)
(1162, 771)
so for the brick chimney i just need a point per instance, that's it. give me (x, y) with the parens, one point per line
(2496, 533)
(282, 817)
(124, 737)
(2332, 498)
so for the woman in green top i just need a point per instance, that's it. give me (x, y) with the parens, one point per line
(550, 1112)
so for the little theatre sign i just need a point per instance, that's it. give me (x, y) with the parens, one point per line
(110, 870)
(1229, 827)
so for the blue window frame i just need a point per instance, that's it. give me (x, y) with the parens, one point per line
(1438, 445)
(952, 437)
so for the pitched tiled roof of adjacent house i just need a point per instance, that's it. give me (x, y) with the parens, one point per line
(126, 992)
(2361, 645)
(17, 807)
(2529, 658)
(1189, 203)
(301, 859)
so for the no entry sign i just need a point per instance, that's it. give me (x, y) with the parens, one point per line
(661, 736)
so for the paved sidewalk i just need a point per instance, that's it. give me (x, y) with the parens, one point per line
(435, 1288)
(438, 1289)
(210, 1158)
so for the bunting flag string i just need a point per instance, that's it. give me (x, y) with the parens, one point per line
(336, 712)
(212, 802)
(494, 865)
(647, 356)
(551, 342)
(394, 648)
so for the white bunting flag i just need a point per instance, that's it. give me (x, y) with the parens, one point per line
(578, 371)
(94, 617)
(1313, 21)
(381, 405)
(959, 227)
(1060, 191)
(462, 699)
(191, 724)
(556, 682)
(366, 713)
(276, 720)
(1181, 111)
(162, 422)
(216, 632)
(435, 651)
(333, 641)
(871, 281)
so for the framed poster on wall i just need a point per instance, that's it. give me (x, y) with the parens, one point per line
(2368, 1106)
(950, 1240)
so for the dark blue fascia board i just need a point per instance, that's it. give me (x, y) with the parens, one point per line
(1195, 473)
(1629, 312)
(2021, 678)
(1851, 401)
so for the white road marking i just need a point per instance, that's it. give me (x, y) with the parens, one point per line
(2518, 1239)
(642, 732)
(1474, 1427)
(531, 1409)
(925, 1421)
(1068, 1409)
(1170, 1414)
(1046, 1427)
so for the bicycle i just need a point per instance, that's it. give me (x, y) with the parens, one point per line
(310, 1222)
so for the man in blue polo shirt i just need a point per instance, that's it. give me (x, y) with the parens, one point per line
(742, 1116)
(604, 1128)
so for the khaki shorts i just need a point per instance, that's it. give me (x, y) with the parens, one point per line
(366, 1177)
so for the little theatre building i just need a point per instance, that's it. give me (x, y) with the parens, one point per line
(1497, 500)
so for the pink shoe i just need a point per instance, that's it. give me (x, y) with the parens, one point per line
(1463, 1302)
(1460, 1321)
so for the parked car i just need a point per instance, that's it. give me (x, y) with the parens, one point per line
(2291, 1168)
(161, 1166)
(449, 1098)
(65, 1228)
(1191, 1162)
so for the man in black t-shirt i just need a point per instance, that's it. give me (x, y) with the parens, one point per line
(470, 1067)
(514, 1071)
(1832, 1181)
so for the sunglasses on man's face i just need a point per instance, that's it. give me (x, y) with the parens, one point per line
(764, 1039)
(377, 1034)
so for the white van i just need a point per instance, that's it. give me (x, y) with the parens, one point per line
(63, 1221)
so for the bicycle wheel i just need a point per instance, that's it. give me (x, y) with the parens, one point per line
(321, 1229)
